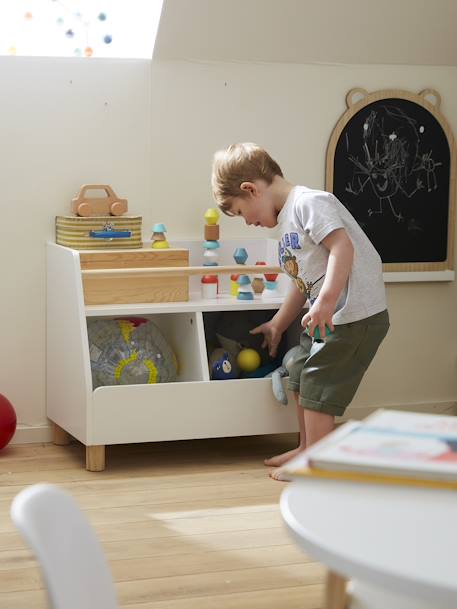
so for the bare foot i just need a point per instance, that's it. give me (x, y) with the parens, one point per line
(280, 460)
(279, 474)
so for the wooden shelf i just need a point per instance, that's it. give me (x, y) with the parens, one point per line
(224, 302)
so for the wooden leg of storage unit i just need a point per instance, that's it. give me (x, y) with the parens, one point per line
(61, 437)
(95, 458)
(335, 591)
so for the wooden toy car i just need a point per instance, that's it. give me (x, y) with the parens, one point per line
(98, 206)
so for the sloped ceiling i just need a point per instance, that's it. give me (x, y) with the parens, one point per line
(303, 31)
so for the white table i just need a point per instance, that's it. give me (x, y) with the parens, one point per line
(397, 545)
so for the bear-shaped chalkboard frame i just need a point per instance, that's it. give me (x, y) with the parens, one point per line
(391, 160)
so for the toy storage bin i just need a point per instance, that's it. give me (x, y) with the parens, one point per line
(212, 319)
(192, 407)
(183, 335)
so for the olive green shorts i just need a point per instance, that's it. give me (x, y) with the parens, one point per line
(327, 373)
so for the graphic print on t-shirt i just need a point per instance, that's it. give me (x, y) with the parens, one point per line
(287, 261)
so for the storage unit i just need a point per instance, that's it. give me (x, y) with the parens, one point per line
(191, 407)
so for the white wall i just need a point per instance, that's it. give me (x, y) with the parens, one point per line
(151, 134)
(63, 122)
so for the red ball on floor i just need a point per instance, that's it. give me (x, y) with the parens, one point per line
(7, 421)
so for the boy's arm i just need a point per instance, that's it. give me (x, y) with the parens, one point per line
(290, 308)
(273, 329)
(341, 255)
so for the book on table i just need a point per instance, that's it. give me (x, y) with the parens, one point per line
(388, 447)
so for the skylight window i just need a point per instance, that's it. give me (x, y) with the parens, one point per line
(79, 28)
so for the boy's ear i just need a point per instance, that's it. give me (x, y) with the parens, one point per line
(249, 187)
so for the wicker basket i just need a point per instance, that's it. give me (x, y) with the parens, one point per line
(102, 232)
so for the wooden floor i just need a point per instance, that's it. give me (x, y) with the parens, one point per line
(184, 525)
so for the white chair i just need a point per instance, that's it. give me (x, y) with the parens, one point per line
(72, 561)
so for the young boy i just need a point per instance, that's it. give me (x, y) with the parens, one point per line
(334, 267)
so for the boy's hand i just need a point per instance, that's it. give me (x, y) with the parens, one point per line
(271, 336)
(319, 315)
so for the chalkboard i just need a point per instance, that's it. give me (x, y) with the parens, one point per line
(391, 162)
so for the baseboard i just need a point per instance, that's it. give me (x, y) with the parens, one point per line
(361, 412)
(37, 434)
(32, 434)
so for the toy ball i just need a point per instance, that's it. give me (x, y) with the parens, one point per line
(248, 360)
(129, 351)
(7, 421)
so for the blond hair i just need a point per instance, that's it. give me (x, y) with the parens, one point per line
(245, 162)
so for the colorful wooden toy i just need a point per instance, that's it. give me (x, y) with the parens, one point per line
(271, 277)
(159, 227)
(243, 280)
(244, 295)
(85, 206)
(159, 241)
(271, 290)
(240, 255)
(234, 285)
(158, 237)
(268, 276)
(211, 245)
(209, 286)
(211, 232)
(245, 291)
(258, 285)
(210, 258)
(160, 245)
(211, 216)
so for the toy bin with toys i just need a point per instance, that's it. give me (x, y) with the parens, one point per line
(134, 287)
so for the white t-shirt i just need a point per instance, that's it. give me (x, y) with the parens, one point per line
(307, 217)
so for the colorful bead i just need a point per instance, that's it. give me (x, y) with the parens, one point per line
(240, 255)
(211, 215)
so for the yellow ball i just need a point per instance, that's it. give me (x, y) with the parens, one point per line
(248, 360)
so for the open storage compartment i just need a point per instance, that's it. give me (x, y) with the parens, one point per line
(230, 331)
(183, 334)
